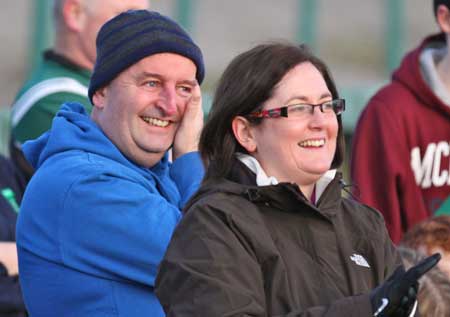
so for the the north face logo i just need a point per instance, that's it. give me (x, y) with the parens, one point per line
(359, 260)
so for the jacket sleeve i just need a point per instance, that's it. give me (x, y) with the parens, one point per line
(210, 270)
(187, 172)
(115, 228)
(381, 170)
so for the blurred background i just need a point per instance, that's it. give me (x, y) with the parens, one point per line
(362, 41)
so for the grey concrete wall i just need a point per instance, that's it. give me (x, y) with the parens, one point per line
(15, 17)
(350, 35)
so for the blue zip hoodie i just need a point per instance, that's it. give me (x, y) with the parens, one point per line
(93, 225)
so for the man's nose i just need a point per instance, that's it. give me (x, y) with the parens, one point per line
(169, 97)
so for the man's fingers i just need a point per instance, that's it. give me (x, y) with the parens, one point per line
(414, 273)
(196, 96)
(194, 108)
(188, 133)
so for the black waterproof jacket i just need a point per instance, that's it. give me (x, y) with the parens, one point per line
(243, 250)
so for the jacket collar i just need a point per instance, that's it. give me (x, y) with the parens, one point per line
(262, 179)
(287, 197)
(62, 60)
(252, 164)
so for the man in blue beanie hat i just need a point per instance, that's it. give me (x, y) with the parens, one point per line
(99, 212)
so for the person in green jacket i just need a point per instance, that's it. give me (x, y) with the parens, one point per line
(64, 70)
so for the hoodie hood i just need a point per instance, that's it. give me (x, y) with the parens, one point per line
(73, 129)
(410, 76)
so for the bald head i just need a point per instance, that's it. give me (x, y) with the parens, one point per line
(77, 23)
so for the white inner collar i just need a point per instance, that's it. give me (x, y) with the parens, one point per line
(261, 177)
(263, 180)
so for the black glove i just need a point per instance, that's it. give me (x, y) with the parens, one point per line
(396, 296)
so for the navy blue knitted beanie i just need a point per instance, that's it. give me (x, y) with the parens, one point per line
(134, 35)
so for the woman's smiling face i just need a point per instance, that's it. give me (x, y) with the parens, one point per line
(298, 150)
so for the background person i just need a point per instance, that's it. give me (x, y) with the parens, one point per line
(400, 154)
(431, 236)
(434, 291)
(100, 209)
(64, 71)
(268, 233)
(14, 175)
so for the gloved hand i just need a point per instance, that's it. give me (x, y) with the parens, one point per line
(396, 296)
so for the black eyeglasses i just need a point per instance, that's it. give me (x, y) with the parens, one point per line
(301, 110)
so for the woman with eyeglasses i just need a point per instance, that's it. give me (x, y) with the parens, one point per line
(269, 233)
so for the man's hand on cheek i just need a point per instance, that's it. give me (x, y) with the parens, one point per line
(188, 133)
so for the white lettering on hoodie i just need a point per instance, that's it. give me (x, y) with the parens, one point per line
(427, 168)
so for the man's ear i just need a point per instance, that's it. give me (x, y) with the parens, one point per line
(243, 132)
(99, 97)
(74, 15)
(443, 18)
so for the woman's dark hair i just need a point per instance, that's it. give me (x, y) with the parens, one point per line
(248, 81)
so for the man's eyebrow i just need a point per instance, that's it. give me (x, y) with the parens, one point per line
(144, 75)
(188, 82)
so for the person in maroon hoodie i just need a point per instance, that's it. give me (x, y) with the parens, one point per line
(401, 147)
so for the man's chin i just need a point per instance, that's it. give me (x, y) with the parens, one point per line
(147, 158)
(156, 149)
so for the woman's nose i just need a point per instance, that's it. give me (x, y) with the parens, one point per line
(317, 118)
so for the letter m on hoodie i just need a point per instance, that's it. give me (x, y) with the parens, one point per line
(427, 170)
